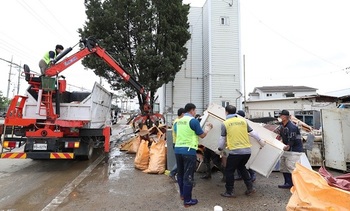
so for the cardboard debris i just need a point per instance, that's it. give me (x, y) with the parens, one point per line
(301, 124)
(144, 131)
(125, 146)
(135, 143)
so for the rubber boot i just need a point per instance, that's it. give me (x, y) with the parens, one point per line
(248, 183)
(250, 189)
(252, 175)
(187, 193)
(238, 176)
(181, 185)
(287, 181)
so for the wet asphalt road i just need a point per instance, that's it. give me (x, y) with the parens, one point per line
(110, 182)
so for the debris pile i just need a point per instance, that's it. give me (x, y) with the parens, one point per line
(342, 181)
(149, 147)
(312, 139)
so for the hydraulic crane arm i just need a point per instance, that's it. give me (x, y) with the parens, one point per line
(91, 47)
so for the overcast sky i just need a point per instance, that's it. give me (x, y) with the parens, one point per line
(285, 42)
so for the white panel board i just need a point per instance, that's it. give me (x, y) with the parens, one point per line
(265, 159)
(336, 132)
(305, 161)
(262, 160)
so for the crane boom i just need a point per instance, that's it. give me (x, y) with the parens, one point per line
(91, 47)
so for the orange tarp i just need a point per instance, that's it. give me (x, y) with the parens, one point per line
(312, 192)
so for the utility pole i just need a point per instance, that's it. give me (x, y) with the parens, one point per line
(10, 73)
(244, 88)
(19, 79)
(9, 80)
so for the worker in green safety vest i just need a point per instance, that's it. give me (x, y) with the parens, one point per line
(48, 58)
(187, 130)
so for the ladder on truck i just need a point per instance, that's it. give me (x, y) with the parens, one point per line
(13, 120)
(45, 96)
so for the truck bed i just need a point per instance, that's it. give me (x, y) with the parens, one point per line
(93, 107)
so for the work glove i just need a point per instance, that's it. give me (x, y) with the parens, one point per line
(262, 142)
(208, 126)
(52, 61)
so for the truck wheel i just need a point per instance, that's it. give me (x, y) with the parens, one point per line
(88, 150)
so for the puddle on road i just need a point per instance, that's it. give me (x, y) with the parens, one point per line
(117, 159)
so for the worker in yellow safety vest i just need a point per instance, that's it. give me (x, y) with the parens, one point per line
(235, 133)
(49, 58)
(180, 113)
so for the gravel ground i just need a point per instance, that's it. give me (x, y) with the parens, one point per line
(160, 192)
(116, 184)
(128, 188)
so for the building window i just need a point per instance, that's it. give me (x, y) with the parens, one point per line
(268, 95)
(225, 21)
(225, 103)
(290, 94)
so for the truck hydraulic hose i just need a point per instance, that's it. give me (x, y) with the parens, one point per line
(63, 53)
(58, 111)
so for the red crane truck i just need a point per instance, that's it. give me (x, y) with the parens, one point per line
(51, 123)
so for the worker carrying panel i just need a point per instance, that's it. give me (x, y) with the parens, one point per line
(312, 192)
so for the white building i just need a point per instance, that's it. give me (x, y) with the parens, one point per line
(212, 71)
(125, 103)
(301, 101)
(273, 92)
(272, 107)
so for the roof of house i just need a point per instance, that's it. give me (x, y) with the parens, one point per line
(339, 93)
(319, 98)
(285, 89)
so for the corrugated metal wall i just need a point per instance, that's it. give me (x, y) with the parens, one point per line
(206, 55)
(188, 83)
(225, 47)
(212, 71)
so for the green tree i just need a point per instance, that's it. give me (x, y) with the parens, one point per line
(146, 37)
(3, 102)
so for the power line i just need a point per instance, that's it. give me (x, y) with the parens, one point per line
(39, 18)
(12, 63)
(22, 77)
(58, 21)
(14, 50)
(295, 44)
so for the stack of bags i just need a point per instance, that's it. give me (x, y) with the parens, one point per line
(149, 145)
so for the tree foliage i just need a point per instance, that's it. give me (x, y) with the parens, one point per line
(4, 101)
(146, 37)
